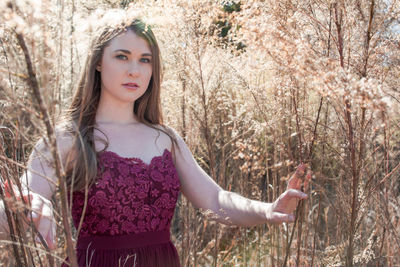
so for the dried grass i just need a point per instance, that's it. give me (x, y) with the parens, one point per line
(317, 81)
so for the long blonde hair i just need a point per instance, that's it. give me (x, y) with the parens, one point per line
(80, 116)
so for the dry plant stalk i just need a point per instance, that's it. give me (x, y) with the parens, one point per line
(289, 82)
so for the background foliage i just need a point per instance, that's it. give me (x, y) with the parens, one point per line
(255, 88)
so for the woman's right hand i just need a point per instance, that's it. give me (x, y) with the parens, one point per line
(41, 213)
(43, 218)
(299, 181)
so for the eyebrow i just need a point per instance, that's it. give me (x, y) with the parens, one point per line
(129, 52)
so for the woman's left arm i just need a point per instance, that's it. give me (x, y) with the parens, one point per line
(229, 207)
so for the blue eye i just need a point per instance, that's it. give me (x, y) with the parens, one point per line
(145, 60)
(121, 57)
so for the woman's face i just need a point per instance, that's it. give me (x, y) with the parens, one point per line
(126, 68)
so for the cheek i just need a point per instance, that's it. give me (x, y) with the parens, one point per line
(109, 72)
(106, 78)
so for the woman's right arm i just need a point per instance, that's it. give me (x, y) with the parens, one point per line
(40, 182)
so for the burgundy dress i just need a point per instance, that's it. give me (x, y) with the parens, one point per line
(128, 213)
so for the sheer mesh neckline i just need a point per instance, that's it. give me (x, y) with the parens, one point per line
(136, 159)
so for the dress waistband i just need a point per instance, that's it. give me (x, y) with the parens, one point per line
(123, 241)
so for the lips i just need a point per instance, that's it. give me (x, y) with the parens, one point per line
(131, 85)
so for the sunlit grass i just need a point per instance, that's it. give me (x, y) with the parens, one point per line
(315, 82)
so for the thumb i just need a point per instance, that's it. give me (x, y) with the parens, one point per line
(288, 201)
(282, 217)
(293, 193)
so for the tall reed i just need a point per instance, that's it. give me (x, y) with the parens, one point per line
(254, 88)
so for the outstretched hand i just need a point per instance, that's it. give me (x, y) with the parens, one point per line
(41, 213)
(281, 210)
(300, 179)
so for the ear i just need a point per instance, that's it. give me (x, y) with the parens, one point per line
(98, 67)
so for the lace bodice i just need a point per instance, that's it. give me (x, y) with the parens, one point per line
(129, 196)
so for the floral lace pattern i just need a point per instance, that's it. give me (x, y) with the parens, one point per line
(129, 196)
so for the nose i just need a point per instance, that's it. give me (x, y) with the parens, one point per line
(134, 69)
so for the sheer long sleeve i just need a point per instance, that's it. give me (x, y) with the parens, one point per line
(39, 181)
(3, 221)
(228, 207)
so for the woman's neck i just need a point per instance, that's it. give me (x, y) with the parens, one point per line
(121, 114)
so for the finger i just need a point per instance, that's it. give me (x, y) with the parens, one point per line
(307, 180)
(293, 193)
(282, 217)
(35, 217)
(301, 171)
(51, 240)
(297, 178)
(42, 216)
(47, 209)
(36, 205)
(46, 213)
(300, 183)
(52, 236)
(294, 182)
(44, 229)
(47, 225)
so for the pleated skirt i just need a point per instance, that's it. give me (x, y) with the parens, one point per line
(151, 249)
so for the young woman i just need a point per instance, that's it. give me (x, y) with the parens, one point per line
(125, 168)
